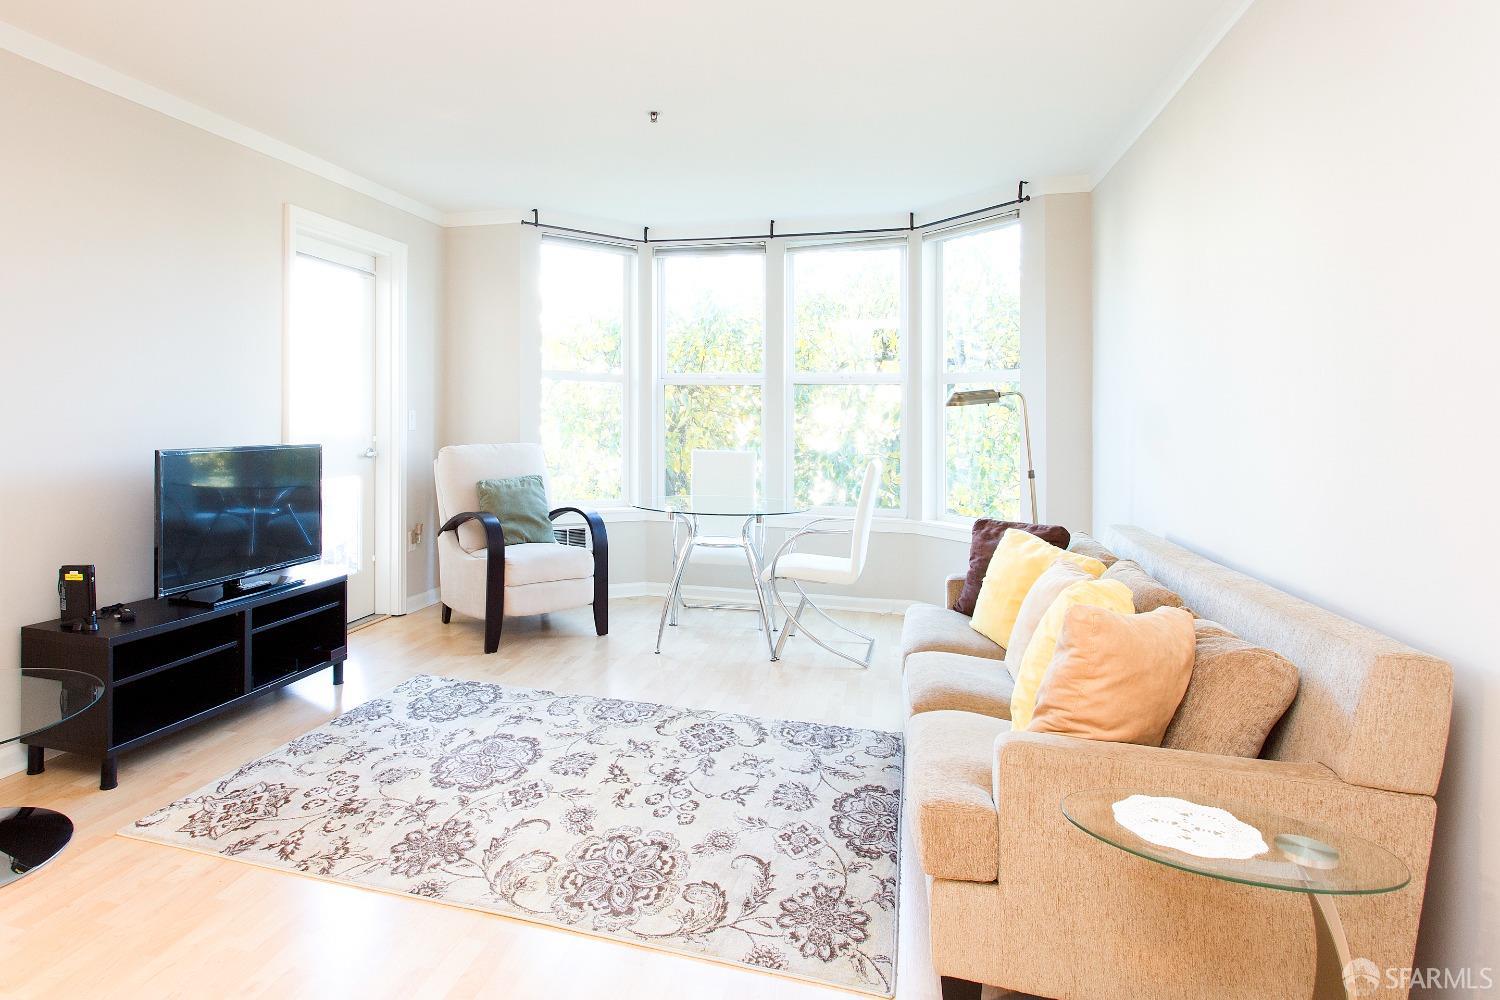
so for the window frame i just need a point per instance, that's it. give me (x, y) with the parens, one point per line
(623, 378)
(791, 377)
(939, 375)
(662, 378)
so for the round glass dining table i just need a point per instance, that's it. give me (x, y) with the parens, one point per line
(686, 510)
(31, 836)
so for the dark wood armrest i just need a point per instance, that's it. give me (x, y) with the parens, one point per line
(494, 534)
(600, 539)
(494, 572)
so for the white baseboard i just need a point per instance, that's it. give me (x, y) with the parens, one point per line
(416, 602)
(738, 595)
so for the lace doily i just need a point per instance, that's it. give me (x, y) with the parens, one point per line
(1202, 831)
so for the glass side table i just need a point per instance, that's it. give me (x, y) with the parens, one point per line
(31, 836)
(1301, 857)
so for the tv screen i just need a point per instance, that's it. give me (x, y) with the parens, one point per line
(227, 513)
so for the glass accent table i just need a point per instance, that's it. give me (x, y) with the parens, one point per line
(1302, 857)
(31, 836)
(685, 511)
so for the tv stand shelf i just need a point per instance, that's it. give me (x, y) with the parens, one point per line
(177, 665)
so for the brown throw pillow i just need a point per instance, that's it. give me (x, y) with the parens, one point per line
(982, 544)
(1116, 677)
(1145, 591)
(1058, 577)
(1238, 692)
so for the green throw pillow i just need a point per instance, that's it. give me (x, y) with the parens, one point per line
(521, 506)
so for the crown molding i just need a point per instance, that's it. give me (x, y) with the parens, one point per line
(96, 74)
(1224, 19)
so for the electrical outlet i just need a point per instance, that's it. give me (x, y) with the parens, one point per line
(416, 534)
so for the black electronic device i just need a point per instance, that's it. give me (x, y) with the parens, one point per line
(228, 517)
(77, 599)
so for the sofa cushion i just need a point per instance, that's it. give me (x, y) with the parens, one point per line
(1059, 576)
(1116, 677)
(1147, 593)
(1088, 545)
(1237, 693)
(1019, 560)
(950, 764)
(929, 628)
(983, 538)
(936, 682)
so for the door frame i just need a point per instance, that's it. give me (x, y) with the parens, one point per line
(390, 385)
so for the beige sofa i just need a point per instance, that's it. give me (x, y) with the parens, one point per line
(1021, 899)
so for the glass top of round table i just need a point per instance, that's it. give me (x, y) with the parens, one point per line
(1300, 856)
(52, 696)
(730, 506)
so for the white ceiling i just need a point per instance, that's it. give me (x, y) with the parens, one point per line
(774, 108)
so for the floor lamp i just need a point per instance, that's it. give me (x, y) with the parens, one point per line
(981, 397)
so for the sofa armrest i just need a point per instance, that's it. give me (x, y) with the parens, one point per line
(1198, 934)
(955, 586)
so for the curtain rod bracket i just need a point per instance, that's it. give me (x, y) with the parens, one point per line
(536, 217)
(1021, 194)
(911, 221)
(773, 229)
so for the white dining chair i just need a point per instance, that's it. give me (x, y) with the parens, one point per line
(798, 568)
(725, 474)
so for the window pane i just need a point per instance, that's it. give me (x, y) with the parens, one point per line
(983, 448)
(839, 428)
(583, 308)
(982, 300)
(706, 416)
(582, 430)
(715, 307)
(846, 309)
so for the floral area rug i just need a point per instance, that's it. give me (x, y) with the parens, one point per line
(756, 842)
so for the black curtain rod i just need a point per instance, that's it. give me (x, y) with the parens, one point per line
(910, 227)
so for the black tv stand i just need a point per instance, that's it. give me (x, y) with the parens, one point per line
(177, 665)
(235, 590)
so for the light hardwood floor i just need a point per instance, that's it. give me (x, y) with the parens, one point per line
(114, 917)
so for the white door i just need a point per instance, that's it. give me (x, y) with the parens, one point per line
(331, 400)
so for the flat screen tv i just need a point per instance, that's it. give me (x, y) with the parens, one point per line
(227, 515)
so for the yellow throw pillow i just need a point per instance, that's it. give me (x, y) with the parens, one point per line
(1019, 560)
(1112, 595)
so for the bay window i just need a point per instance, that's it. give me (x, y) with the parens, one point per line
(798, 352)
(976, 282)
(844, 329)
(711, 321)
(585, 309)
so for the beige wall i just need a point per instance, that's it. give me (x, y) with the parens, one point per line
(1298, 353)
(1057, 351)
(141, 308)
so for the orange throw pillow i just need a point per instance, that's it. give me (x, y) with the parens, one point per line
(1116, 677)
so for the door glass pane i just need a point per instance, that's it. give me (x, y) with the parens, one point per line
(714, 307)
(982, 447)
(846, 309)
(707, 416)
(981, 297)
(583, 308)
(582, 431)
(837, 430)
(330, 401)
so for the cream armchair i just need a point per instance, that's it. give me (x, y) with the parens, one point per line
(480, 576)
